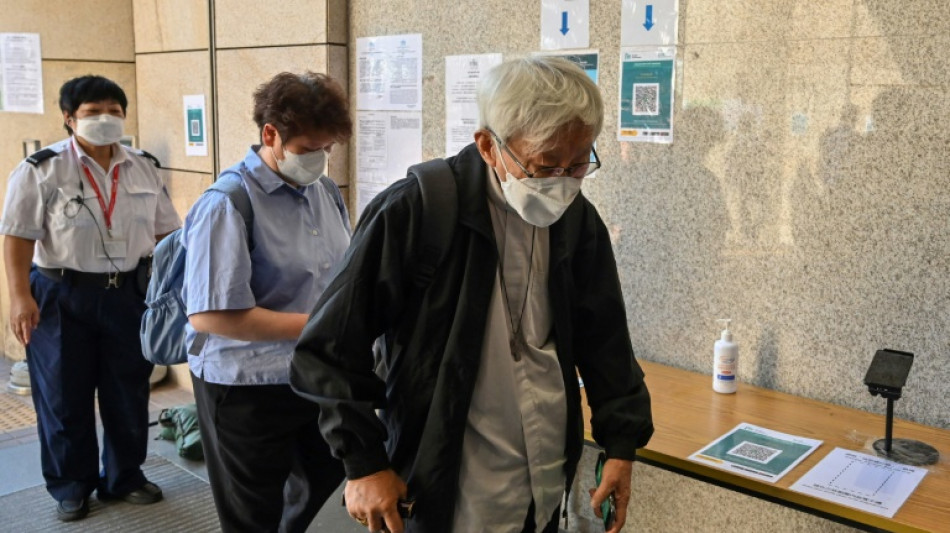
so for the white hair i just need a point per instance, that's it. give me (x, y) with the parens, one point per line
(534, 97)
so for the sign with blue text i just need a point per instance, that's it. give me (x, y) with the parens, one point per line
(565, 24)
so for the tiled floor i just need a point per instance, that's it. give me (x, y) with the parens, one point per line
(20, 455)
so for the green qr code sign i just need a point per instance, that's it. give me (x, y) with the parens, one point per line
(195, 126)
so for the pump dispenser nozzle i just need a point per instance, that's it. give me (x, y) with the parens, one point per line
(726, 334)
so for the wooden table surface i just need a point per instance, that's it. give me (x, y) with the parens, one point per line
(688, 415)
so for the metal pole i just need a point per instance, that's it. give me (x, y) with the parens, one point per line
(889, 426)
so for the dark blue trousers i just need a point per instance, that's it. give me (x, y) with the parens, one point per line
(87, 340)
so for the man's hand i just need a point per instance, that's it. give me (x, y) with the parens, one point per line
(616, 479)
(24, 316)
(372, 500)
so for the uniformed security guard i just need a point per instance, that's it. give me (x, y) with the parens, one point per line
(80, 217)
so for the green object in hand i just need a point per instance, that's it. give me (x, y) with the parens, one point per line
(608, 507)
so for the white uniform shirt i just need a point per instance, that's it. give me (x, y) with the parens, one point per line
(513, 449)
(43, 204)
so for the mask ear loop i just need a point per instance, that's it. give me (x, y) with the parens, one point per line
(271, 147)
(502, 158)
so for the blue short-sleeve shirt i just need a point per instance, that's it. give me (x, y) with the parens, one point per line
(298, 237)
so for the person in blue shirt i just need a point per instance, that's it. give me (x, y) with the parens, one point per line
(270, 468)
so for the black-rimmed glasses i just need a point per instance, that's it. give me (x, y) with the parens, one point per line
(608, 507)
(579, 170)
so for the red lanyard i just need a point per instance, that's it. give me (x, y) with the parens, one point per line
(106, 213)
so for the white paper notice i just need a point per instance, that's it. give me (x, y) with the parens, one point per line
(461, 109)
(196, 129)
(648, 23)
(862, 481)
(21, 73)
(565, 24)
(388, 143)
(390, 73)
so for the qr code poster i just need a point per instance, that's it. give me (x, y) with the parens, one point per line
(196, 131)
(646, 95)
(756, 452)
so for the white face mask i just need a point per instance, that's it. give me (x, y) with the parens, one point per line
(100, 130)
(539, 201)
(302, 169)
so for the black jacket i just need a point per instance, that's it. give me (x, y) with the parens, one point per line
(434, 342)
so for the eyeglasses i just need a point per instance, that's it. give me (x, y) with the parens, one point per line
(608, 507)
(579, 170)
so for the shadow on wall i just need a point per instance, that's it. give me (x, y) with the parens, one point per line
(881, 198)
(753, 181)
(699, 130)
(672, 251)
(875, 225)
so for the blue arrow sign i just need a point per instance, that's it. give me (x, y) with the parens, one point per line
(564, 28)
(649, 22)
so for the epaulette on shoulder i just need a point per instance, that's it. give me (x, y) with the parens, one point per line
(143, 153)
(38, 157)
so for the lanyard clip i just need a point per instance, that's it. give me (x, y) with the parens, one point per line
(113, 282)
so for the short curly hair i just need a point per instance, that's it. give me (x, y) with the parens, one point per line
(298, 103)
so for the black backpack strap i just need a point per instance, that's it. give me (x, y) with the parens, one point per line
(233, 186)
(439, 216)
(439, 219)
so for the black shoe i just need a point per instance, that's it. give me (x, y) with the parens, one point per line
(144, 495)
(69, 510)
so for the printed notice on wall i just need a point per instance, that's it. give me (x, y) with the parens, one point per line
(196, 130)
(646, 94)
(872, 484)
(21, 73)
(756, 452)
(389, 73)
(387, 144)
(461, 108)
(565, 24)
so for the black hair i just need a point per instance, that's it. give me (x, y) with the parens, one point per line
(78, 91)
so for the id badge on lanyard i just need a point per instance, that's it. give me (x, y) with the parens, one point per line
(113, 245)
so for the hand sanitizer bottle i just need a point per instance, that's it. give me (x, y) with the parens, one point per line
(725, 361)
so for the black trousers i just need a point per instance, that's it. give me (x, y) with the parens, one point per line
(270, 468)
(530, 526)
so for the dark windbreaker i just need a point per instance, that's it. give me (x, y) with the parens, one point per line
(434, 342)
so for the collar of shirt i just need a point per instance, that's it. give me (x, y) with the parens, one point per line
(263, 174)
(118, 156)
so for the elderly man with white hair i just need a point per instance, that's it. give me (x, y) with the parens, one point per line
(478, 420)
